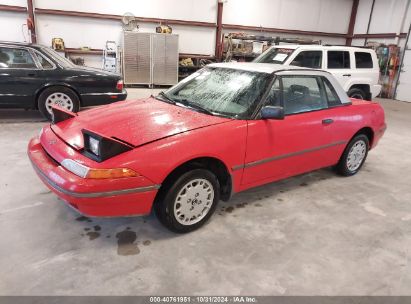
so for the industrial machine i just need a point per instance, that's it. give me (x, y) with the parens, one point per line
(110, 55)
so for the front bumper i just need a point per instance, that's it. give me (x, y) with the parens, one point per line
(87, 195)
(95, 99)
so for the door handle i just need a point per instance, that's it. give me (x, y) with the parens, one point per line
(327, 121)
(347, 75)
(31, 74)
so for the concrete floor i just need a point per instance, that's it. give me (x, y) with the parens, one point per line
(316, 234)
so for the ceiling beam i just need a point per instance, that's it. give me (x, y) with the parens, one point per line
(119, 17)
(12, 8)
(379, 35)
(279, 30)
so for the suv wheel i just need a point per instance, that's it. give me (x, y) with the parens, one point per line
(57, 95)
(356, 93)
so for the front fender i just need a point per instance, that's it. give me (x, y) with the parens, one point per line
(225, 142)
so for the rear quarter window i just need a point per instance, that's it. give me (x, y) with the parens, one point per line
(363, 60)
(332, 96)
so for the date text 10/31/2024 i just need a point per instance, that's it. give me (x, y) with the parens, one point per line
(203, 299)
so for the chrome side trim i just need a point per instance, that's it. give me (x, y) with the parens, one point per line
(237, 167)
(94, 194)
(278, 157)
(99, 94)
(14, 95)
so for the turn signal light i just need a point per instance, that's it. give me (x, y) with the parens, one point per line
(111, 173)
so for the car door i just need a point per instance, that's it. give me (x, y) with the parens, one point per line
(339, 64)
(340, 127)
(18, 77)
(300, 142)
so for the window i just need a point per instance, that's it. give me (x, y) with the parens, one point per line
(274, 55)
(338, 59)
(302, 94)
(61, 60)
(16, 59)
(273, 97)
(363, 60)
(222, 91)
(308, 59)
(332, 96)
(43, 61)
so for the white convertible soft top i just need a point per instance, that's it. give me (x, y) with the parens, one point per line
(280, 69)
(268, 68)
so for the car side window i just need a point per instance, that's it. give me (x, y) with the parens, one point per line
(308, 59)
(45, 64)
(332, 96)
(16, 59)
(273, 97)
(338, 59)
(302, 94)
(363, 60)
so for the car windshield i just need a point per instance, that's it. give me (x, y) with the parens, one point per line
(274, 55)
(61, 60)
(220, 91)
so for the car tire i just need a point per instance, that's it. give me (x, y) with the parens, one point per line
(59, 95)
(196, 191)
(356, 93)
(354, 156)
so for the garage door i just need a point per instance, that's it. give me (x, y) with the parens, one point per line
(403, 90)
(404, 83)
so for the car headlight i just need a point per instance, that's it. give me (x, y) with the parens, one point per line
(99, 148)
(94, 145)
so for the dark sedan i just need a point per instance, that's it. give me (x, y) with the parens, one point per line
(36, 77)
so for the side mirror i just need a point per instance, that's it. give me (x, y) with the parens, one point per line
(271, 112)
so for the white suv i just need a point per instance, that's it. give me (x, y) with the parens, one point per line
(356, 69)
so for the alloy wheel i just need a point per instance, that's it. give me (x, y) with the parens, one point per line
(356, 155)
(59, 99)
(193, 201)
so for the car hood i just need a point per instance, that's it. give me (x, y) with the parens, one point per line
(135, 122)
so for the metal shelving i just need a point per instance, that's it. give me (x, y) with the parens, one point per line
(150, 58)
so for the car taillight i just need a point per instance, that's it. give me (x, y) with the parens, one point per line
(120, 85)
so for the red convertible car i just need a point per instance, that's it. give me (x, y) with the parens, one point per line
(222, 130)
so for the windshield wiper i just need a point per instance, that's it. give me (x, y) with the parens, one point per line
(195, 106)
(166, 98)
